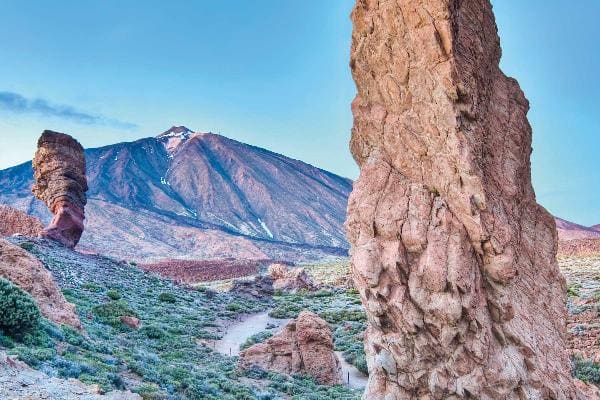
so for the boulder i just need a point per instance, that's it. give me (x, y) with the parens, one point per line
(304, 346)
(60, 182)
(16, 222)
(132, 322)
(290, 279)
(259, 287)
(28, 273)
(452, 255)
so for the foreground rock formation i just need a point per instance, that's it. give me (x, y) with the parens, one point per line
(290, 279)
(18, 381)
(15, 222)
(453, 257)
(60, 182)
(25, 271)
(305, 346)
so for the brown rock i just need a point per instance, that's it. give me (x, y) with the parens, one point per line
(453, 257)
(305, 346)
(25, 271)
(60, 182)
(16, 222)
(290, 279)
(132, 322)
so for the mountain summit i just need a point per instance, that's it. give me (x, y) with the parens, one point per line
(185, 194)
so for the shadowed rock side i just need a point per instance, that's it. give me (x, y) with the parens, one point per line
(60, 182)
(16, 222)
(25, 271)
(305, 346)
(453, 257)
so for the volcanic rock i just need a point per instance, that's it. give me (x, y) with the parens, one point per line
(25, 271)
(454, 259)
(132, 322)
(304, 346)
(259, 287)
(60, 182)
(15, 222)
(290, 279)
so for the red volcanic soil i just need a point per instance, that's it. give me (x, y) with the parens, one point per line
(192, 271)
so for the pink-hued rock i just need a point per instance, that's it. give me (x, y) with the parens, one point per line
(290, 279)
(453, 257)
(16, 222)
(26, 272)
(304, 346)
(60, 182)
(132, 322)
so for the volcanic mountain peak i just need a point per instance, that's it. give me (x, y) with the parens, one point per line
(176, 131)
(175, 136)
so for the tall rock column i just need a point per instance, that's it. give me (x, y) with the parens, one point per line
(60, 182)
(453, 257)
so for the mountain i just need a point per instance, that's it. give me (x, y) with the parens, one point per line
(569, 230)
(185, 194)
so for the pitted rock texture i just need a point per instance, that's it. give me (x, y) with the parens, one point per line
(453, 257)
(25, 271)
(290, 279)
(305, 346)
(60, 182)
(16, 222)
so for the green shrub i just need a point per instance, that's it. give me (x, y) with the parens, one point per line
(109, 313)
(167, 297)
(113, 295)
(586, 370)
(152, 332)
(256, 338)
(92, 287)
(18, 311)
(27, 246)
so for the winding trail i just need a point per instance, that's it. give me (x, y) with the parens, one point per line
(239, 331)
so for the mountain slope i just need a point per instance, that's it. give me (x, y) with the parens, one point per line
(569, 230)
(200, 195)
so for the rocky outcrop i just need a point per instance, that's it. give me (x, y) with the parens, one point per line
(15, 222)
(25, 271)
(290, 279)
(305, 346)
(60, 182)
(453, 257)
(259, 287)
(18, 381)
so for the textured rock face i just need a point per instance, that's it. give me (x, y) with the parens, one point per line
(453, 257)
(304, 346)
(290, 279)
(15, 222)
(25, 271)
(60, 182)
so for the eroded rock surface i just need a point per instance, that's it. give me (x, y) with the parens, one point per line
(305, 346)
(60, 182)
(25, 271)
(16, 222)
(453, 257)
(290, 279)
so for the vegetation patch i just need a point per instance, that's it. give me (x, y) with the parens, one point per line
(19, 314)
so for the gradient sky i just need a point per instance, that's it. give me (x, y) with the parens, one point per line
(275, 74)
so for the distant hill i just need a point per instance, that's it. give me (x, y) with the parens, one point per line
(569, 230)
(184, 194)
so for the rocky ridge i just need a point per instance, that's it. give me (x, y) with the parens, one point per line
(25, 271)
(16, 222)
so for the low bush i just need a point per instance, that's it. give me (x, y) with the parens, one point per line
(18, 311)
(113, 295)
(586, 370)
(109, 313)
(256, 338)
(167, 297)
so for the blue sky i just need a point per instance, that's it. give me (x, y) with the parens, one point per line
(275, 74)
